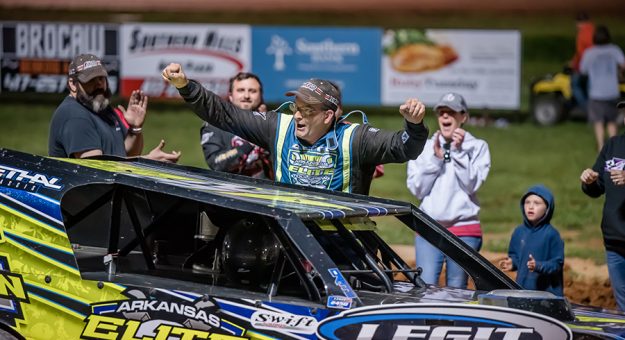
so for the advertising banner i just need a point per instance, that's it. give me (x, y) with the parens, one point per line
(210, 54)
(36, 55)
(482, 65)
(285, 57)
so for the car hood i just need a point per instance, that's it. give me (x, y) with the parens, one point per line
(605, 323)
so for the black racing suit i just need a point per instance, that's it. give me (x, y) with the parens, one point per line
(226, 152)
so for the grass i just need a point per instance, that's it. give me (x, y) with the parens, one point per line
(522, 154)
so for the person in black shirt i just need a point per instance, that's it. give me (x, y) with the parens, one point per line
(85, 124)
(607, 176)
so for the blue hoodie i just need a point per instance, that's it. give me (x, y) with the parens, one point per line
(544, 243)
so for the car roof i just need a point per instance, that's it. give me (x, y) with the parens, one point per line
(261, 196)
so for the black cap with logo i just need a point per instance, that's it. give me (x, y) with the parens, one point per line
(318, 91)
(86, 67)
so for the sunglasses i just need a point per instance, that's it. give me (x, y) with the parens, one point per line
(306, 111)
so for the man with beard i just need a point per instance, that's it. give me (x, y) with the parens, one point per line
(85, 124)
(228, 152)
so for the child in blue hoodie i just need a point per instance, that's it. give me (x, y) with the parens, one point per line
(536, 249)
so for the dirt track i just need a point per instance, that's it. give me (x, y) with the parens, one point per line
(584, 282)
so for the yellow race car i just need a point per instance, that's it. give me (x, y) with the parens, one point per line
(112, 248)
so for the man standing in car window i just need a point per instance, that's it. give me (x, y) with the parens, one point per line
(310, 148)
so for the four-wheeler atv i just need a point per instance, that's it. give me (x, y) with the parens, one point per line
(552, 99)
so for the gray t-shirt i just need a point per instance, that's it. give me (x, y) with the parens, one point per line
(74, 128)
(601, 63)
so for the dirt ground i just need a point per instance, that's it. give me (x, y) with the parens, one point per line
(584, 282)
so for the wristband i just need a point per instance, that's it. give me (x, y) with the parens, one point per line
(135, 130)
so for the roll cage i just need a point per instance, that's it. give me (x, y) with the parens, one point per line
(152, 233)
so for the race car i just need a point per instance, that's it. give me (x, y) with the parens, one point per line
(112, 248)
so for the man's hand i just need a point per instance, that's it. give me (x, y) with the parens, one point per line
(589, 176)
(413, 110)
(617, 177)
(137, 109)
(174, 75)
(506, 264)
(158, 154)
(457, 137)
(531, 263)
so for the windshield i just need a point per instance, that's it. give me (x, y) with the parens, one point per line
(361, 256)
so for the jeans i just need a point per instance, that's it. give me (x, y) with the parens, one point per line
(430, 259)
(616, 271)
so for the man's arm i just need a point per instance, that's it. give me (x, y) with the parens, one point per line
(80, 138)
(134, 116)
(592, 179)
(255, 127)
(158, 154)
(380, 147)
(133, 144)
(593, 189)
(88, 153)
(133, 119)
(218, 151)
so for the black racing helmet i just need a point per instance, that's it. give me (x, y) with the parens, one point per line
(249, 252)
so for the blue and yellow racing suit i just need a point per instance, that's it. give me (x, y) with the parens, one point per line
(344, 159)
